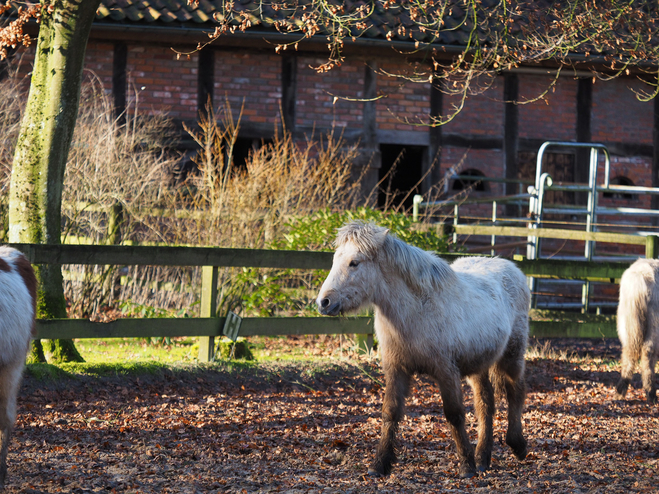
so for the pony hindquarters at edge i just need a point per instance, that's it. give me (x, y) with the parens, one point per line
(638, 325)
(18, 290)
(468, 319)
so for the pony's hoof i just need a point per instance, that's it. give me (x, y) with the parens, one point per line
(467, 471)
(519, 448)
(372, 472)
(651, 397)
(621, 389)
(467, 474)
(482, 468)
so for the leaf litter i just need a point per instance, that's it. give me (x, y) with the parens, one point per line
(300, 427)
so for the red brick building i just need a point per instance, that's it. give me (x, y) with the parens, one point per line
(131, 52)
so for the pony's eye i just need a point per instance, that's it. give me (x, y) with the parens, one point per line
(353, 264)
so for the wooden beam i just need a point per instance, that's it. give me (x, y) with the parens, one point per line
(174, 256)
(369, 115)
(289, 90)
(562, 329)
(584, 111)
(204, 327)
(119, 60)
(510, 136)
(275, 326)
(205, 78)
(609, 272)
(432, 163)
(512, 231)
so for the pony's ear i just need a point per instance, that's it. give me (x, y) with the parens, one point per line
(379, 236)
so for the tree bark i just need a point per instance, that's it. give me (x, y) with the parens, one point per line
(43, 146)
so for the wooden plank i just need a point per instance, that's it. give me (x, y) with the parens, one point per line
(573, 329)
(128, 328)
(144, 328)
(174, 256)
(513, 231)
(274, 326)
(609, 272)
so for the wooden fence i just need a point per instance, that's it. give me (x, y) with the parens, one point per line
(208, 327)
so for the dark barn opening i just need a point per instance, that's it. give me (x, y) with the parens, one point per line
(401, 183)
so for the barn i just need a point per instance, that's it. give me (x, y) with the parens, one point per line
(146, 51)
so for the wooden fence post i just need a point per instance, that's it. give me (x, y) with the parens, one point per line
(208, 309)
(651, 247)
(364, 343)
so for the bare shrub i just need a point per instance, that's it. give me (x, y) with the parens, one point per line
(119, 188)
(116, 170)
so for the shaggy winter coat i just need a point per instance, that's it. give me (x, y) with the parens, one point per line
(18, 288)
(468, 319)
(638, 325)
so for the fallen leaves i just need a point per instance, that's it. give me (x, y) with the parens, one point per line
(221, 431)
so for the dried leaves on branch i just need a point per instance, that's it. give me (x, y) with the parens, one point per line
(460, 41)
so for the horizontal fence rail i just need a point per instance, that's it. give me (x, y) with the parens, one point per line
(207, 328)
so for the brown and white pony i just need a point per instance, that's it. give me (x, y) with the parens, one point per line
(468, 319)
(638, 325)
(18, 291)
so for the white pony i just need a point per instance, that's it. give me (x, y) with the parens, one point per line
(18, 290)
(638, 325)
(468, 319)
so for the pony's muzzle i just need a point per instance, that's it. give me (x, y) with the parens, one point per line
(327, 308)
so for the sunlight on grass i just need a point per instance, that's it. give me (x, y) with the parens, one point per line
(185, 350)
(116, 350)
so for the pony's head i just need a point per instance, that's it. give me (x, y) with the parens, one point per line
(354, 275)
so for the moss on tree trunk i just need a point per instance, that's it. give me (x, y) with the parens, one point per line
(42, 149)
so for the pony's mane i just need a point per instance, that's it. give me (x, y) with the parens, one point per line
(420, 269)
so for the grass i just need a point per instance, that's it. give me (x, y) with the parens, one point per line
(125, 351)
(122, 350)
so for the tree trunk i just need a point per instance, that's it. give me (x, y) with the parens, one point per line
(43, 146)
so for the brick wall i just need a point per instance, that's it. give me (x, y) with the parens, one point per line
(482, 114)
(254, 78)
(316, 103)
(403, 101)
(553, 117)
(160, 83)
(618, 115)
(98, 63)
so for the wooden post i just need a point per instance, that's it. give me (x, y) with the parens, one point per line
(115, 219)
(651, 247)
(208, 309)
(364, 343)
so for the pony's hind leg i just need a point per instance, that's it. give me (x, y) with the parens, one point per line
(485, 407)
(509, 378)
(627, 363)
(10, 378)
(648, 361)
(397, 387)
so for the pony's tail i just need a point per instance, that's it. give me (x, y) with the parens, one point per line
(632, 317)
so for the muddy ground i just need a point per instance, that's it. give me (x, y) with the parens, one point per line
(313, 428)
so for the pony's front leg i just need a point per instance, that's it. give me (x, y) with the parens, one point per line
(451, 391)
(397, 387)
(10, 378)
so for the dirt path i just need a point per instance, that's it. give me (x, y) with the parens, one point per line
(298, 428)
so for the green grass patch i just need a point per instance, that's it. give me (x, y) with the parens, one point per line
(124, 350)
